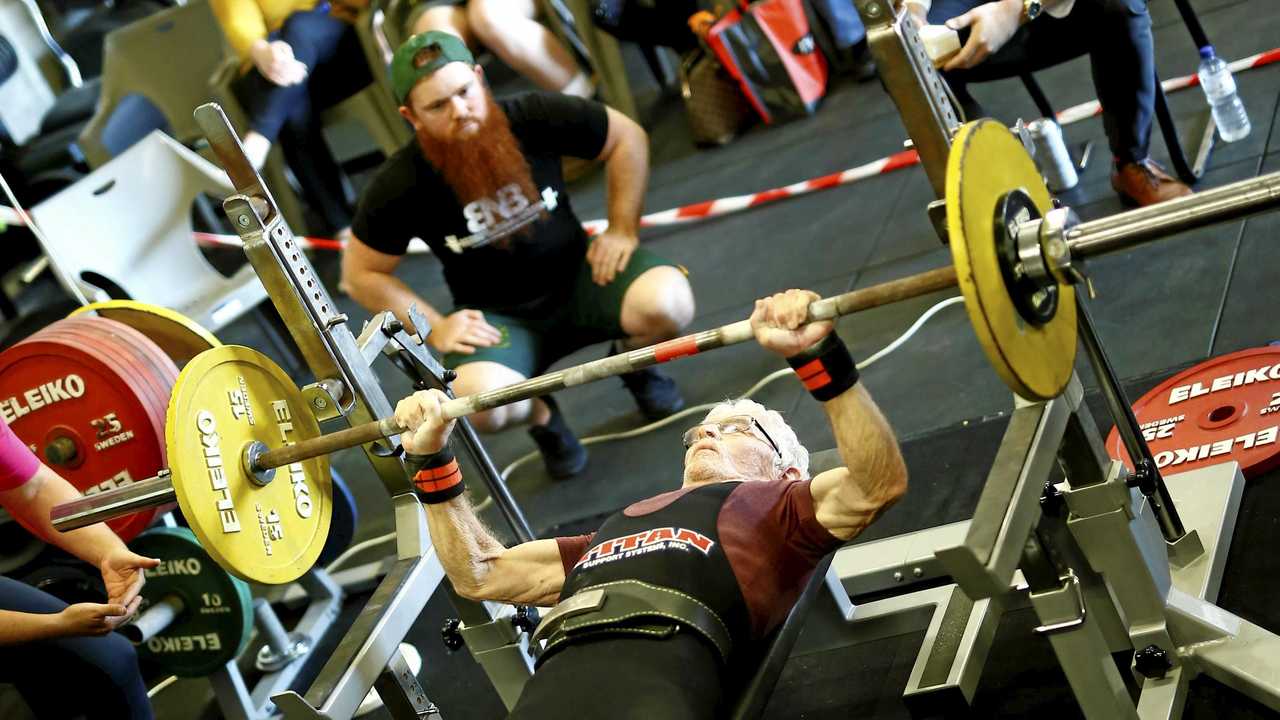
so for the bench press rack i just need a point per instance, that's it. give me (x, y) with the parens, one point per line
(369, 655)
(1105, 568)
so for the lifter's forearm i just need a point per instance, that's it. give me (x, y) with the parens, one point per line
(376, 291)
(464, 545)
(868, 448)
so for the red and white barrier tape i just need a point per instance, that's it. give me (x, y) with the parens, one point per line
(724, 206)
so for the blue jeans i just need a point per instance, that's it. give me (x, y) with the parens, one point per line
(843, 21)
(336, 70)
(94, 677)
(1116, 34)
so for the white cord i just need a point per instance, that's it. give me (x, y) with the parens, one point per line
(771, 377)
(354, 549)
(161, 686)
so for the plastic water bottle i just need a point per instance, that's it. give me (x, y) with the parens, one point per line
(1220, 88)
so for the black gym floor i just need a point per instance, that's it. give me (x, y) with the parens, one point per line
(1160, 308)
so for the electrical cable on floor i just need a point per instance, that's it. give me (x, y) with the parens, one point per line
(357, 548)
(161, 686)
(634, 432)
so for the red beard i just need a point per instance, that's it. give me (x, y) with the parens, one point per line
(479, 166)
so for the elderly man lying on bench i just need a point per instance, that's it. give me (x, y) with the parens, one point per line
(664, 606)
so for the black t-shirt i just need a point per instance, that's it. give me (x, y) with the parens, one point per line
(408, 198)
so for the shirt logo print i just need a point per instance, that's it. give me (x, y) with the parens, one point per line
(491, 219)
(644, 542)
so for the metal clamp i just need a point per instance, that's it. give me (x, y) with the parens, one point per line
(1074, 582)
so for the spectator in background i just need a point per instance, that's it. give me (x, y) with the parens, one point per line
(1003, 38)
(508, 29)
(296, 60)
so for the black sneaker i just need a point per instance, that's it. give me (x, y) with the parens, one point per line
(562, 454)
(656, 394)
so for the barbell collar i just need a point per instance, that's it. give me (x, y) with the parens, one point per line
(111, 504)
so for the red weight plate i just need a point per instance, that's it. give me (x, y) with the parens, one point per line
(131, 341)
(131, 346)
(1226, 408)
(146, 370)
(135, 376)
(53, 388)
(133, 370)
(153, 391)
(137, 342)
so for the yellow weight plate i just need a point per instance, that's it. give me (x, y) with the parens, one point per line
(180, 337)
(986, 163)
(225, 399)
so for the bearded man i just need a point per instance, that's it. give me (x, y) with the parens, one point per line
(482, 186)
(659, 610)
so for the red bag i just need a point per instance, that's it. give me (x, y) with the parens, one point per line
(768, 48)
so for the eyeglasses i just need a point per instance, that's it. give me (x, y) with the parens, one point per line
(738, 424)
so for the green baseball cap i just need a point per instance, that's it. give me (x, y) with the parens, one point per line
(404, 74)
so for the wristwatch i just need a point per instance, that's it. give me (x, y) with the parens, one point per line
(1031, 10)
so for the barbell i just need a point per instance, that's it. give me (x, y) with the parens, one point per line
(235, 417)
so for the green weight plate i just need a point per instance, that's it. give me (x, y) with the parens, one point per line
(217, 610)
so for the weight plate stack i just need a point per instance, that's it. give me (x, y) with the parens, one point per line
(180, 337)
(88, 396)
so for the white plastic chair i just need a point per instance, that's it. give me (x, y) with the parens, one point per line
(129, 221)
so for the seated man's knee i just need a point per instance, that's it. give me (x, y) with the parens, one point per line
(659, 303)
(444, 18)
(480, 377)
(489, 421)
(486, 18)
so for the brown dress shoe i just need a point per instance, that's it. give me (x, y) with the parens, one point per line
(1146, 183)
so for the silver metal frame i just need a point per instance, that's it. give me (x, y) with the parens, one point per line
(371, 646)
(923, 98)
(1114, 583)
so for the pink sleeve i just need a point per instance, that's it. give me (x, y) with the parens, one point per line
(17, 463)
(572, 548)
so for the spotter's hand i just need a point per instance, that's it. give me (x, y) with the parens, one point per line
(463, 332)
(609, 254)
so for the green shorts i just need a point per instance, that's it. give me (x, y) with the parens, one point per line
(533, 340)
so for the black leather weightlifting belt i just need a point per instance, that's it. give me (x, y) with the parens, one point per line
(630, 607)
